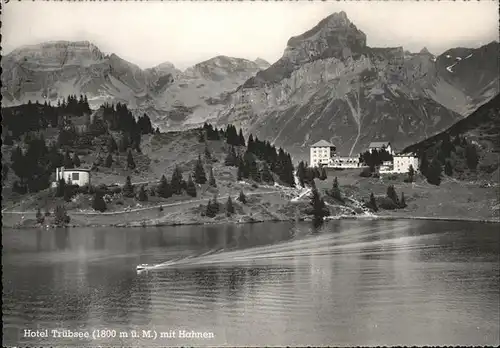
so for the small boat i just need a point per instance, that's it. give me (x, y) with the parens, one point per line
(142, 267)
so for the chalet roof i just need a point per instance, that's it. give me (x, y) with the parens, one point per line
(80, 169)
(322, 143)
(379, 144)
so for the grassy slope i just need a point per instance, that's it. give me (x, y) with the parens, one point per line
(452, 199)
(160, 154)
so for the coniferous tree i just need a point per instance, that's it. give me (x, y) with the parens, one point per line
(18, 163)
(301, 173)
(318, 207)
(112, 146)
(55, 158)
(231, 159)
(448, 168)
(109, 161)
(434, 172)
(98, 203)
(201, 136)
(76, 160)
(164, 190)
(242, 198)
(373, 203)
(142, 195)
(241, 138)
(446, 147)
(471, 156)
(211, 178)
(208, 155)
(176, 181)
(322, 175)
(335, 191)
(241, 169)
(424, 164)
(61, 187)
(411, 174)
(39, 216)
(229, 206)
(68, 162)
(212, 208)
(391, 194)
(124, 143)
(254, 170)
(68, 193)
(61, 216)
(199, 173)
(130, 160)
(464, 142)
(250, 145)
(266, 175)
(402, 203)
(128, 188)
(191, 187)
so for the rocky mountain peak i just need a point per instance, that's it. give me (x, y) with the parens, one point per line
(425, 51)
(333, 37)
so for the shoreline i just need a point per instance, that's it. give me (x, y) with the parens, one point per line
(243, 220)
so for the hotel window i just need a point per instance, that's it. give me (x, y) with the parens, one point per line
(75, 176)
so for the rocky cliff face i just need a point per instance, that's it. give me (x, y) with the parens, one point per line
(330, 85)
(54, 70)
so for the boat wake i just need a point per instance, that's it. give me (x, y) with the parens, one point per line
(365, 241)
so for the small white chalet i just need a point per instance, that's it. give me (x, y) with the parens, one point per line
(321, 153)
(73, 176)
(379, 145)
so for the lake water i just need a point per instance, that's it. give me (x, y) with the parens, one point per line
(349, 283)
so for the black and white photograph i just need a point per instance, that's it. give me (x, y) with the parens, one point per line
(250, 173)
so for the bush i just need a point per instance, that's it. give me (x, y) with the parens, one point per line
(242, 198)
(229, 206)
(114, 189)
(365, 173)
(99, 204)
(142, 196)
(70, 191)
(128, 188)
(61, 216)
(39, 217)
(17, 187)
(387, 203)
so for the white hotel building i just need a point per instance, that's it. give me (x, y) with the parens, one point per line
(321, 153)
(403, 161)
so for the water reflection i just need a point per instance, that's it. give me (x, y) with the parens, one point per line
(345, 283)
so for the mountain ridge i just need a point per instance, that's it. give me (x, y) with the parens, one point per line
(328, 79)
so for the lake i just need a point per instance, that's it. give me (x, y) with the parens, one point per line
(349, 283)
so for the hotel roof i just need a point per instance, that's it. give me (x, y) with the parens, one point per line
(322, 143)
(378, 144)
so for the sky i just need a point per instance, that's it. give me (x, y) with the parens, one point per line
(148, 33)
